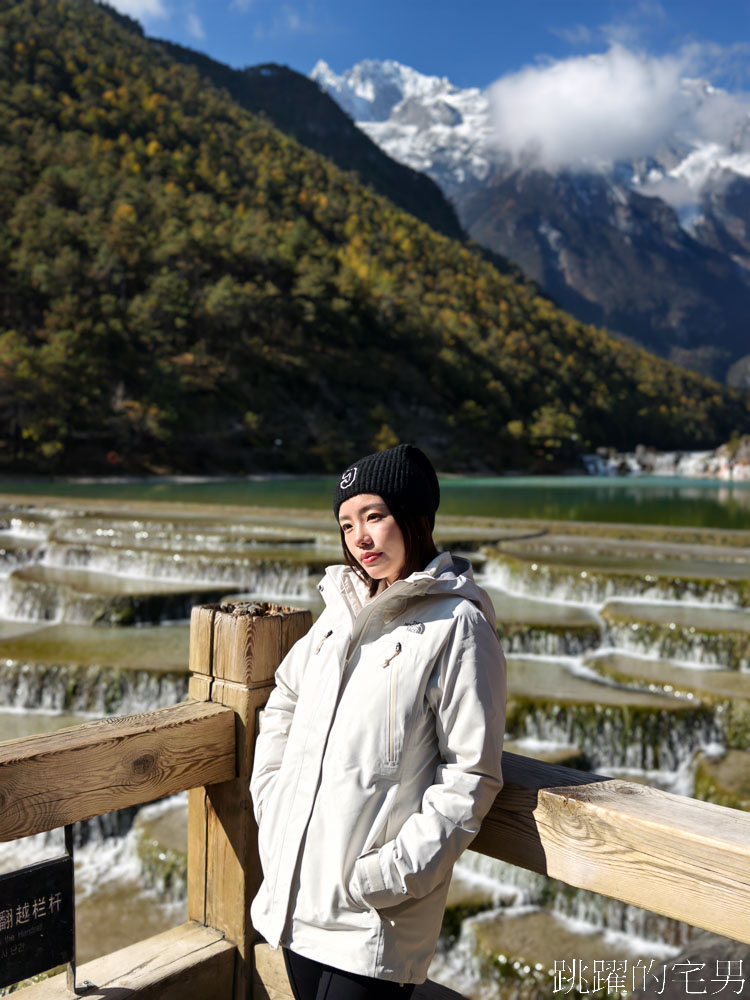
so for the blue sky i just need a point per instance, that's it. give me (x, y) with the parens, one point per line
(473, 42)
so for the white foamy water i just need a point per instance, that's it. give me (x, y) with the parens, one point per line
(592, 588)
(653, 657)
(101, 860)
(557, 619)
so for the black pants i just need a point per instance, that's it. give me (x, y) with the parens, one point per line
(311, 980)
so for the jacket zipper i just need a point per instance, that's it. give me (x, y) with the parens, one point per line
(392, 706)
(359, 629)
(320, 644)
(366, 614)
(392, 656)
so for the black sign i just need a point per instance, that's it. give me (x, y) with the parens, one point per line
(37, 917)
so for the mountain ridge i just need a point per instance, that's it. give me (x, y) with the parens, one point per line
(688, 298)
(297, 106)
(186, 288)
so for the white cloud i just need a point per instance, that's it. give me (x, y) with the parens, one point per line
(631, 28)
(141, 8)
(291, 18)
(579, 35)
(635, 23)
(590, 110)
(195, 25)
(289, 21)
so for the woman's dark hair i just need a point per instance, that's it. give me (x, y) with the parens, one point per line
(418, 542)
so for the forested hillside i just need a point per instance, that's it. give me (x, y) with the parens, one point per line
(296, 105)
(185, 288)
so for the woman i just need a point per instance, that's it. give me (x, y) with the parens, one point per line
(379, 752)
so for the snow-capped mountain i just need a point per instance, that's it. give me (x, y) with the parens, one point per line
(657, 247)
(422, 121)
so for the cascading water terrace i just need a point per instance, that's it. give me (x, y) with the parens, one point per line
(521, 887)
(552, 640)
(594, 586)
(91, 690)
(645, 618)
(639, 738)
(25, 599)
(79, 569)
(15, 553)
(247, 572)
(685, 643)
(634, 662)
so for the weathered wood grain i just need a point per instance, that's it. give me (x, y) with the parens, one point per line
(190, 962)
(673, 855)
(197, 833)
(56, 778)
(201, 639)
(247, 649)
(224, 870)
(201, 663)
(270, 980)
(293, 627)
(232, 867)
(199, 687)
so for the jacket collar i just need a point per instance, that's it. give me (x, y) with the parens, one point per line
(446, 574)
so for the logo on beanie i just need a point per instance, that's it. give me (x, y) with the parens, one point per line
(348, 478)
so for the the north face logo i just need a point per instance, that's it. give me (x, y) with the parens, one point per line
(348, 478)
(417, 627)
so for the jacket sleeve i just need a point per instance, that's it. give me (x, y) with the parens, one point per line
(468, 699)
(276, 722)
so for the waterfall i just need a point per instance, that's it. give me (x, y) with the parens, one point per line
(520, 887)
(75, 571)
(88, 690)
(686, 643)
(121, 895)
(31, 600)
(548, 640)
(591, 586)
(71, 565)
(245, 572)
(641, 738)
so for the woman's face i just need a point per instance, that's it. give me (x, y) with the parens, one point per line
(373, 537)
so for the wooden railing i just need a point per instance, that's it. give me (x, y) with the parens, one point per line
(676, 856)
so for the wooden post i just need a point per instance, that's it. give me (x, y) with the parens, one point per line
(234, 653)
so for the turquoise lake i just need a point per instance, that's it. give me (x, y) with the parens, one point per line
(642, 500)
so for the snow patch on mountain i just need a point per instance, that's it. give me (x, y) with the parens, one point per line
(452, 134)
(422, 121)
(704, 170)
(372, 89)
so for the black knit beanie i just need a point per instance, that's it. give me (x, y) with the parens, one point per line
(403, 476)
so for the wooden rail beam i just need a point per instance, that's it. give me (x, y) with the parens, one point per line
(674, 855)
(270, 981)
(234, 653)
(56, 778)
(190, 962)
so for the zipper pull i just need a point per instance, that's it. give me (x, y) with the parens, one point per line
(318, 647)
(393, 655)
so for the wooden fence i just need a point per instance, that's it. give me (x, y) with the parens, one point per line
(673, 855)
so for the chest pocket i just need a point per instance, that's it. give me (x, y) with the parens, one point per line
(375, 709)
(405, 721)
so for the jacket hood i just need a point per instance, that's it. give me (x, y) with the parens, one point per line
(449, 574)
(446, 575)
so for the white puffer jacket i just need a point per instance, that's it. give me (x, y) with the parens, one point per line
(378, 757)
